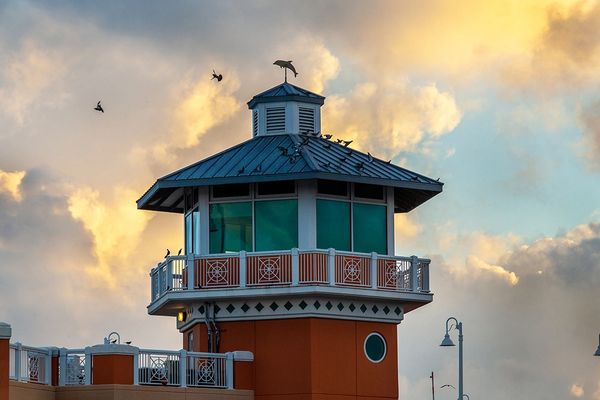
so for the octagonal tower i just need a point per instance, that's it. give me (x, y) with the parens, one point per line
(289, 253)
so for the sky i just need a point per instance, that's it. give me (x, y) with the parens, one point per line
(499, 99)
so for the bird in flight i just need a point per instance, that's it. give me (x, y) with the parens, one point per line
(99, 107)
(286, 64)
(218, 77)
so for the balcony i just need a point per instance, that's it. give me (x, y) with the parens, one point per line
(184, 279)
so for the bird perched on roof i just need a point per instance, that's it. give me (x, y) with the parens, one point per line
(388, 162)
(99, 107)
(258, 168)
(286, 64)
(327, 136)
(168, 253)
(241, 170)
(113, 341)
(218, 77)
(284, 150)
(370, 157)
(179, 252)
(129, 342)
(347, 142)
(447, 385)
(359, 165)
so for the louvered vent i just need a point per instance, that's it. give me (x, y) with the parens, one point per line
(255, 122)
(307, 119)
(275, 119)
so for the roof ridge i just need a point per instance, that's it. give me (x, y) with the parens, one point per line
(305, 154)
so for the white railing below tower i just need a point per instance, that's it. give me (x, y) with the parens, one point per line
(291, 268)
(74, 367)
(30, 364)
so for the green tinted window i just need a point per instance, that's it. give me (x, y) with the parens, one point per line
(196, 223)
(189, 229)
(276, 224)
(370, 228)
(333, 224)
(230, 227)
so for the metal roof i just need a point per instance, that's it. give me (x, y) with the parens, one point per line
(263, 159)
(286, 92)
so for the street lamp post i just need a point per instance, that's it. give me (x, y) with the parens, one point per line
(448, 342)
(597, 353)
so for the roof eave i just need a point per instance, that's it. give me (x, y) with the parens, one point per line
(278, 99)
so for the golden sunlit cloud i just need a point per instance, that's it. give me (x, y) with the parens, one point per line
(476, 263)
(115, 226)
(589, 118)
(10, 182)
(405, 227)
(576, 390)
(390, 117)
(29, 73)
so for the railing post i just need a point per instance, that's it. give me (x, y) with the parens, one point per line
(183, 368)
(191, 271)
(136, 366)
(243, 278)
(229, 370)
(414, 262)
(331, 266)
(48, 368)
(425, 275)
(152, 285)
(374, 270)
(295, 267)
(62, 367)
(88, 367)
(18, 356)
(169, 275)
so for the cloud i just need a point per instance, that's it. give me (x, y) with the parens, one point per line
(576, 391)
(391, 117)
(10, 182)
(115, 226)
(26, 78)
(474, 263)
(589, 118)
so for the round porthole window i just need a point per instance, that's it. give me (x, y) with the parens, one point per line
(375, 347)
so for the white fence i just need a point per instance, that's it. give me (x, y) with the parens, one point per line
(30, 364)
(291, 268)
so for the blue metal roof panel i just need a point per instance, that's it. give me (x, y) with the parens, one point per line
(262, 159)
(286, 91)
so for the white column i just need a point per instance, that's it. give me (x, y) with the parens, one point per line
(18, 356)
(62, 370)
(136, 366)
(414, 261)
(203, 208)
(374, 270)
(48, 368)
(88, 366)
(307, 214)
(295, 267)
(191, 272)
(183, 368)
(243, 278)
(229, 370)
(331, 266)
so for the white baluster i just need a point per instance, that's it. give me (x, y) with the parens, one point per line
(18, 356)
(331, 266)
(62, 370)
(183, 368)
(295, 267)
(88, 367)
(374, 270)
(229, 370)
(136, 366)
(191, 272)
(243, 277)
(48, 368)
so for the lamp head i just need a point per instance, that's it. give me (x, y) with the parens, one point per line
(447, 341)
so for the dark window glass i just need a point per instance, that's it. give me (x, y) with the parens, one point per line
(190, 343)
(370, 228)
(278, 187)
(236, 190)
(189, 199)
(333, 224)
(230, 227)
(276, 224)
(334, 188)
(375, 347)
(368, 191)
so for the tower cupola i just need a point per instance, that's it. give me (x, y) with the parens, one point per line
(286, 108)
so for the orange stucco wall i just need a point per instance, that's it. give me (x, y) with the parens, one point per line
(4, 368)
(308, 358)
(112, 368)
